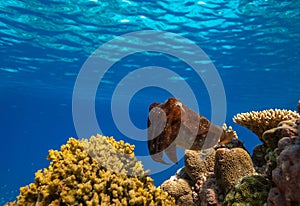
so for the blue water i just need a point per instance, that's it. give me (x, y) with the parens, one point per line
(254, 45)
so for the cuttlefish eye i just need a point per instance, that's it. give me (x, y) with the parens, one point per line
(153, 145)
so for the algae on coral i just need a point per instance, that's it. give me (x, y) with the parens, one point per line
(251, 190)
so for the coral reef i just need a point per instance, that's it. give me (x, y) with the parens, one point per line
(180, 189)
(206, 190)
(275, 197)
(75, 178)
(259, 122)
(103, 171)
(251, 190)
(229, 176)
(122, 161)
(230, 166)
(286, 175)
(285, 129)
(258, 156)
(198, 164)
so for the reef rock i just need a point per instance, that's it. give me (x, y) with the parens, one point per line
(286, 175)
(206, 191)
(251, 190)
(285, 129)
(276, 198)
(230, 166)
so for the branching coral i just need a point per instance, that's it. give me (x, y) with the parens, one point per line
(75, 178)
(259, 122)
(112, 155)
(229, 130)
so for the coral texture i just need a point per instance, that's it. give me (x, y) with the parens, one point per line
(207, 191)
(197, 164)
(275, 197)
(259, 122)
(251, 190)
(286, 175)
(180, 189)
(230, 166)
(285, 129)
(122, 161)
(276, 140)
(227, 176)
(75, 178)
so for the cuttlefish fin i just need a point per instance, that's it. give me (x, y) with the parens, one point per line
(171, 153)
(158, 158)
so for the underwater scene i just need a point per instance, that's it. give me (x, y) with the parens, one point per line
(161, 102)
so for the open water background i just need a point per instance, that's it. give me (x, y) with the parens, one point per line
(254, 45)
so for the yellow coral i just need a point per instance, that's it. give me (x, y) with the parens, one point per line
(122, 161)
(259, 122)
(230, 130)
(75, 178)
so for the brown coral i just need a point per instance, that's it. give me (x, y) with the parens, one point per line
(74, 178)
(207, 191)
(230, 166)
(197, 165)
(180, 189)
(275, 197)
(286, 128)
(287, 174)
(259, 122)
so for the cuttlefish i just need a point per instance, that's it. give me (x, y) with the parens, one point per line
(172, 124)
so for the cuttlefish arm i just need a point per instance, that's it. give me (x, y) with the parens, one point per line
(172, 124)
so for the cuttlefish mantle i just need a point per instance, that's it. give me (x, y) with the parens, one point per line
(172, 124)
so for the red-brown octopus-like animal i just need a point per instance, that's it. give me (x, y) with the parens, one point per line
(172, 124)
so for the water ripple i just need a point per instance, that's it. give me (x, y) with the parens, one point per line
(69, 31)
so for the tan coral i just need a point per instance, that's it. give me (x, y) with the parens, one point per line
(230, 166)
(197, 164)
(229, 130)
(180, 189)
(259, 122)
(74, 178)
